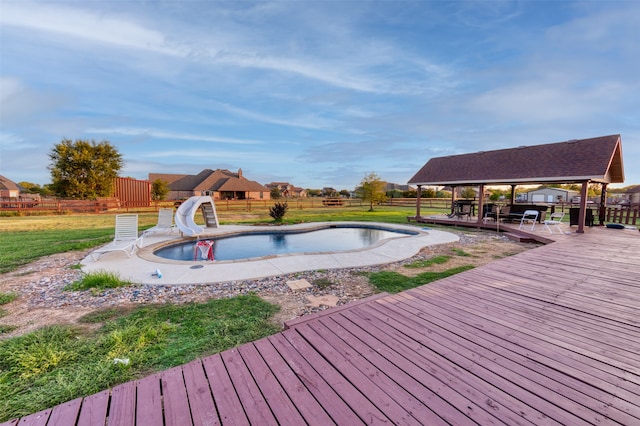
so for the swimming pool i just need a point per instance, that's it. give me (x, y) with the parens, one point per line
(249, 245)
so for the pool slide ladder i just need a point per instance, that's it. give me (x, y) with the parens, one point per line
(185, 215)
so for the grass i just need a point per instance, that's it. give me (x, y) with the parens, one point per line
(4, 328)
(322, 283)
(7, 297)
(59, 363)
(4, 299)
(28, 238)
(437, 260)
(98, 280)
(460, 252)
(394, 282)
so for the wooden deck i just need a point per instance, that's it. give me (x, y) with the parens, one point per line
(510, 229)
(549, 336)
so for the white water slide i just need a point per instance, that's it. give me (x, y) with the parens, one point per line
(185, 215)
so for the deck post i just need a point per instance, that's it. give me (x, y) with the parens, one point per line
(481, 203)
(419, 193)
(453, 198)
(602, 211)
(582, 216)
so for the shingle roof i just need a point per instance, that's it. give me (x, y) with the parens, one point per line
(209, 180)
(596, 159)
(8, 184)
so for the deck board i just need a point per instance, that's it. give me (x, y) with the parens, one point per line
(122, 409)
(253, 402)
(314, 383)
(283, 409)
(548, 336)
(66, 413)
(94, 409)
(203, 409)
(149, 401)
(308, 406)
(224, 394)
(174, 395)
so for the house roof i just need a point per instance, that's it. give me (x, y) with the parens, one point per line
(7, 184)
(209, 180)
(596, 159)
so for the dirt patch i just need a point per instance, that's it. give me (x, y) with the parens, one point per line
(42, 300)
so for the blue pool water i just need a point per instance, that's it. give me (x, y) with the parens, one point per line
(259, 244)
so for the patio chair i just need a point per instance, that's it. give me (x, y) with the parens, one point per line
(165, 222)
(463, 210)
(126, 237)
(554, 221)
(529, 216)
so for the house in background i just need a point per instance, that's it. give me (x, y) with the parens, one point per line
(221, 184)
(287, 190)
(633, 195)
(8, 188)
(550, 195)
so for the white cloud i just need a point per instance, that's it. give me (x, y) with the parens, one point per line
(80, 24)
(129, 131)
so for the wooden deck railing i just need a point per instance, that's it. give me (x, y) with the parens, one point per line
(625, 215)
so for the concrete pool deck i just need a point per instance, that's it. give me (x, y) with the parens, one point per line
(140, 267)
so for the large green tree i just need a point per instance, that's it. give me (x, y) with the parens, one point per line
(372, 190)
(84, 169)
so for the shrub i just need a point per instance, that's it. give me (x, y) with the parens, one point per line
(278, 211)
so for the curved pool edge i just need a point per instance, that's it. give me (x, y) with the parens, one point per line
(140, 267)
(150, 252)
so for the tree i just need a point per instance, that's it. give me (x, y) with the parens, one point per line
(372, 190)
(34, 188)
(159, 190)
(468, 192)
(275, 193)
(84, 169)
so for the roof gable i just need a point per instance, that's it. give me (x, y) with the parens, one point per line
(7, 184)
(597, 159)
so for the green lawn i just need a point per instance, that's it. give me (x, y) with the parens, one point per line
(59, 363)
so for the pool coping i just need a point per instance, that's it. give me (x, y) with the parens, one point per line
(142, 265)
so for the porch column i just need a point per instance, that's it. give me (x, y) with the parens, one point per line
(480, 202)
(418, 201)
(583, 207)
(453, 198)
(602, 212)
(513, 194)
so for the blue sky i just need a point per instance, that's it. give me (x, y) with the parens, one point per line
(317, 93)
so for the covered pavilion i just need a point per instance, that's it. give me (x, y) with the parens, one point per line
(578, 161)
